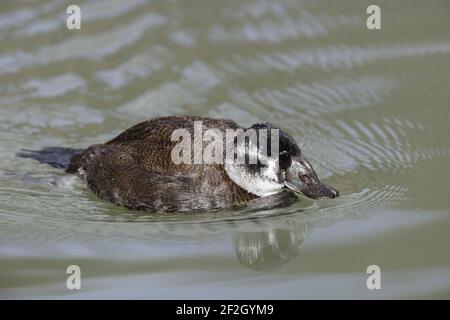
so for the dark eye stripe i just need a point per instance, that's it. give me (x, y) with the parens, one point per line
(305, 178)
(284, 160)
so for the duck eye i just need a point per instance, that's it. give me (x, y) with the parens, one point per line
(284, 160)
(306, 178)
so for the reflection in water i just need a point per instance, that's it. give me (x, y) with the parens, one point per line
(270, 249)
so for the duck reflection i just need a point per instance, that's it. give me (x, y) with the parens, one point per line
(270, 249)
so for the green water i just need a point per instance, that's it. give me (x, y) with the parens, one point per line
(370, 109)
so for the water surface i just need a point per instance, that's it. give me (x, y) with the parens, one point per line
(370, 110)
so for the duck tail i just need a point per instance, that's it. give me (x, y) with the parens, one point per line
(56, 157)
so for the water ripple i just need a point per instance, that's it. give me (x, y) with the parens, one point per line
(87, 47)
(327, 57)
(306, 25)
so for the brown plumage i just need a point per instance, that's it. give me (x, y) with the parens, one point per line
(135, 170)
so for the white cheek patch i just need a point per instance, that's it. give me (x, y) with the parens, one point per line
(271, 170)
(262, 184)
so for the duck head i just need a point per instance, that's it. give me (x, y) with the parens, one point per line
(286, 168)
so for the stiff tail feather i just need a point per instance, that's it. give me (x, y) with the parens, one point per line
(56, 157)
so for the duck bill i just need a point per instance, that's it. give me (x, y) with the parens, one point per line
(316, 191)
(301, 178)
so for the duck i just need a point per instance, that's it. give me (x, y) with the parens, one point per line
(136, 169)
